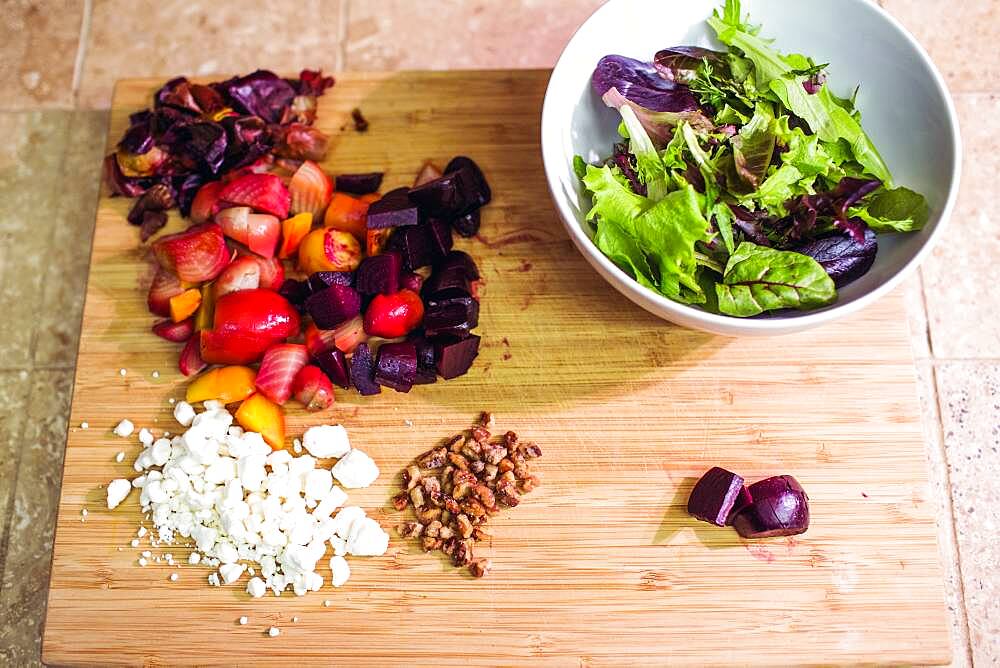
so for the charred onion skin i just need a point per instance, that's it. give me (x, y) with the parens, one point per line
(779, 507)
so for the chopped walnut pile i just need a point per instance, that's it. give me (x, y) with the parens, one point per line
(455, 488)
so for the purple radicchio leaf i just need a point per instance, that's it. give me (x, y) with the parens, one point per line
(751, 224)
(625, 161)
(659, 104)
(259, 93)
(680, 63)
(138, 139)
(805, 210)
(156, 198)
(176, 94)
(185, 188)
(843, 258)
(201, 145)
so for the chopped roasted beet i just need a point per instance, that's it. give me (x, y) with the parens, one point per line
(396, 366)
(426, 366)
(454, 358)
(411, 281)
(779, 507)
(334, 365)
(415, 246)
(363, 371)
(452, 316)
(454, 194)
(441, 239)
(742, 501)
(359, 184)
(467, 225)
(462, 259)
(379, 274)
(448, 280)
(714, 495)
(393, 210)
(324, 279)
(464, 162)
(296, 292)
(334, 305)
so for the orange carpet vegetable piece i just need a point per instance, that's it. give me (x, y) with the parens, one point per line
(227, 384)
(348, 214)
(184, 305)
(260, 414)
(293, 231)
(370, 198)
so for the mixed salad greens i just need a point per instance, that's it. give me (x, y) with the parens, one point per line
(742, 183)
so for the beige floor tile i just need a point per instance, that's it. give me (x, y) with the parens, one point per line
(457, 34)
(36, 496)
(970, 407)
(38, 52)
(58, 323)
(14, 394)
(940, 494)
(31, 157)
(962, 274)
(961, 37)
(173, 37)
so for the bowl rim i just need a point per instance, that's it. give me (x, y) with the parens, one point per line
(775, 324)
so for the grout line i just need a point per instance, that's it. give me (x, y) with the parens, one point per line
(927, 314)
(342, 35)
(81, 50)
(950, 529)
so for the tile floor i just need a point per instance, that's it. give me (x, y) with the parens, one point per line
(58, 63)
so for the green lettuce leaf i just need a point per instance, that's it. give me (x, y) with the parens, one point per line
(613, 199)
(648, 164)
(897, 210)
(754, 145)
(624, 251)
(759, 279)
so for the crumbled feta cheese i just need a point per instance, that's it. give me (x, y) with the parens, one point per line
(174, 577)
(230, 573)
(355, 469)
(327, 603)
(194, 558)
(297, 446)
(155, 374)
(142, 531)
(124, 428)
(244, 620)
(294, 620)
(213, 579)
(117, 491)
(122, 372)
(256, 587)
(146, 437)
(326, 441)
(274, 632)
(340, 570)
(147, 554)
(85, 512)
(135, 542)
(84, 425)
(120, 457)
(142, 561)
(184, 413)
(367, 539)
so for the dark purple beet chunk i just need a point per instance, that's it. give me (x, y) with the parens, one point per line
(393, 210)
(454, 358)
(414, 244)
(450, 196)
(359, 184)
(454, 316)
(334, 305)
(426, 363)
(465, 261)
(743, 500)
(779, 507)
(714, 495)
(411, 281)
(296, 292)
(363, 371)
(463, 162)
(449, 280)
(441, 239)
(321, 280)
(396, 366)
(379, 274)
(334, 365)
(467, 225)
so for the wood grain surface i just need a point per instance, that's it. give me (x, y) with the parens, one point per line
(600, 565)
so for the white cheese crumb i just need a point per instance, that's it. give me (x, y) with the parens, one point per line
(135, 542)
(155, 374)
(120, 457)
(194, 558)
(408, 422)
(141, 531)
(85, 512)
(256, 587)
(355, 469)
(122, 372)
(327, 603)
(117, 491)
(213, 579)
(328, 440)
(294, 619)
(84, 425)
(171, 401)
(146, 437)
(341, 571)
(231, 572)
(174, 577)
(297, 446)
(274, 632)
(142, 561)
(147, 554)
(244, 620)
(124, 428)
(184, 413)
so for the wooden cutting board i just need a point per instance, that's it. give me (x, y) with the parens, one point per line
(600, 565)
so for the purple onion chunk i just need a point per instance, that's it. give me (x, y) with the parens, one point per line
(394, 210)
(455, 358)
(321, 280)
(379, 274)
(452, 316)
(333, 306)
(780, 507)
(333, 363)
(359, 184)
(396, 365)
(363, 371)
(714, 496)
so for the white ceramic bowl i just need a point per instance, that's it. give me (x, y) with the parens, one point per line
(904, 103)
